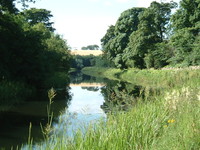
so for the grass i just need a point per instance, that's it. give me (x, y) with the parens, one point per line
(170, 120)
(149, 77)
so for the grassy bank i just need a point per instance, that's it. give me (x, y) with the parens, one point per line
(170, 120)
(149, 77)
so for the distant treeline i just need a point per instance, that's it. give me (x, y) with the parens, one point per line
(79, 62)
(153, 37)
(90, 47)
(30, 52)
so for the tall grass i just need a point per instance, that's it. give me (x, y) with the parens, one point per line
(168, 121)
(155, 125)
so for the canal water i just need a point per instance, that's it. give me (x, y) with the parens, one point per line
(77, 105)
(85, 100)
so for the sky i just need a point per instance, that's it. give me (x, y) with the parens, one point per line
(85, 22)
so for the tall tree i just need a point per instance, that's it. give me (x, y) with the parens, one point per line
(34, 16)
(117, 37)
(151, 30)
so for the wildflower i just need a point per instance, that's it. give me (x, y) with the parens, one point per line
(171, 121)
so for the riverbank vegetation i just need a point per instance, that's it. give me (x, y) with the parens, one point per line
(168, 120)
(32, 54)
(166, 77)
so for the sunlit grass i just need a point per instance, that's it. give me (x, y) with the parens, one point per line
(149, 77)
(149, 125)
(168, 121)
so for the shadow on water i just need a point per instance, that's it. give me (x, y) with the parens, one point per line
(14, 124)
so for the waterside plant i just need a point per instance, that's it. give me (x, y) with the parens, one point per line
(170, 120)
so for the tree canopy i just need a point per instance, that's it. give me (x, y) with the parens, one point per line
(30, 51)
(154, 37)
(35, 16)
(117, 37)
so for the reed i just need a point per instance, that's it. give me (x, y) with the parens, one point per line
(170, 120)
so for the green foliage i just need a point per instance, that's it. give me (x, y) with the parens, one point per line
(153, 38)
(151, 31)
(79, 62)
(117, 37)
(57, 53)
(159, 56)
(188, 15)
(9, 5)
(30, 51)
(34, 16)
(186, 34)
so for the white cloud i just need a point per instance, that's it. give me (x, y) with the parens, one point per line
(93, 0)
(123, 1)
(108, 3)
(83, 31)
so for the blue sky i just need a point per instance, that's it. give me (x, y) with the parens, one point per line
(84, 22)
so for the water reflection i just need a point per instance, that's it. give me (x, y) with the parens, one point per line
(82, 111)
(86, 101)
(14, 124)
(79, 77)
(120, 95)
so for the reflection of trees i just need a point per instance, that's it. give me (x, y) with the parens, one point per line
(94, 89)
(122, 95)
(16, 122)
(119, 95)
(79, 77)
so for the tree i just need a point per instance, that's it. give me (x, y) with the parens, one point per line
(151, 30)
(186, 25)
(9, 5)
(106, 41)
(30, 52)
(186, 47)
(34, 16)
(117, 37)
(84, 48)
(188, 15)
(91, 47)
